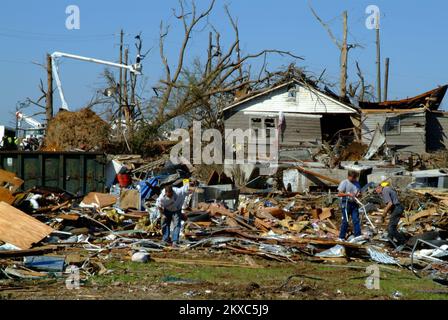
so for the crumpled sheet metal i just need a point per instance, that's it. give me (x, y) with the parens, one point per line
(271, 249)
(337, 251)
(381, 257)
(274, 249)
(435, 255)
(213, 241)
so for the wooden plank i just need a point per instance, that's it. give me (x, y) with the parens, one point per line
(100, 199)
(130, 199)
(326, 213)
(318, 175)
(422, 214)
(6, 196)
(69, 217)
(10, 181)
(20, 229)
(330, 230)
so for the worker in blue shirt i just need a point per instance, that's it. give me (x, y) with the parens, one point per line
(348, 190)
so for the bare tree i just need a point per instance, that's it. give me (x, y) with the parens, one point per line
(224, 71)
(187, 90)
(38, 102)
(360, 90)
(343, 46)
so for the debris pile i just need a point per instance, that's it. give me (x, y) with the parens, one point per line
(82, 130)
(45, 230)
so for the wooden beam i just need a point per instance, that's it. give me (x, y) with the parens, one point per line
(318, 175)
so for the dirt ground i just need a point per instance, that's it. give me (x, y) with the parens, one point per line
(249, 278)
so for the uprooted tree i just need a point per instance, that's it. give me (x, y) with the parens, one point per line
(194, 90)
(224, 71)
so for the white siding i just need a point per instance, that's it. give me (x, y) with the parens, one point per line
(306, 101)
(369, 122)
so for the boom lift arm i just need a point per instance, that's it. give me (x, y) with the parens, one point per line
(32, 122)
(135, 68)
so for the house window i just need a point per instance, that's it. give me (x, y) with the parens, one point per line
(265, 125)
(392, 126)
(256, 124)
(269, 124)
(262, 128)
(292, 93)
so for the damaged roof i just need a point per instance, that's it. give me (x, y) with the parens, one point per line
(429, 100)
(311, 87)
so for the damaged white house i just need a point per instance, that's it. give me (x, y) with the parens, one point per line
(310, 115)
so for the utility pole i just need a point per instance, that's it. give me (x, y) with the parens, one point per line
(120, 92)
(386, 80)
(125, 80)
(344, 57)
(49, 96)
(127, 111)
(378, 57)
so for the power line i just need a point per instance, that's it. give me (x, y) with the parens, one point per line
(58, 38)
(15, 61)
(56, 34)
(51, 40)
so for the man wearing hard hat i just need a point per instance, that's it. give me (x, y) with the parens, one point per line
(394, 206)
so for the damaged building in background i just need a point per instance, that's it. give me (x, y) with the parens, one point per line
(310, 115)
(413, 125)
(303, 116)
(318, 132)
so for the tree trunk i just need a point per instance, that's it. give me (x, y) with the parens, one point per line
(49, 95)
(344, 57)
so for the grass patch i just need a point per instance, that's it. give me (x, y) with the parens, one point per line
(334, 283)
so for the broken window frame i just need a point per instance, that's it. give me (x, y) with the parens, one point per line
(292, 94)
(393, 129)
(272, 124)
(256, 128)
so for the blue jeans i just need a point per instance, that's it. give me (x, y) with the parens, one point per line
(352, 211)
(167, 217)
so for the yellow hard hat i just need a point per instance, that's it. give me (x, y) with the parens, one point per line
(385, 184)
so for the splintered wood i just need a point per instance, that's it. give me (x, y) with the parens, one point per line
(20, 229)
(101, 200)
(6, 196)
(9, 184)
(9, 181)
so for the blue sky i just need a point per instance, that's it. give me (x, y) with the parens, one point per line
(413, 36)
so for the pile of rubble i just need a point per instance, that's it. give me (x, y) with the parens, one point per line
(92, 132)
(45, 230)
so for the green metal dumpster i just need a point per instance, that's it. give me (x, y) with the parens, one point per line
(76, 172)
